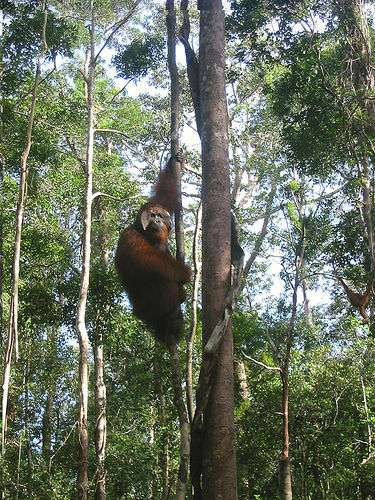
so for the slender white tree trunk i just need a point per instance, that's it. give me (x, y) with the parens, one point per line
(12, 340)
(82, 482)
(100, 387)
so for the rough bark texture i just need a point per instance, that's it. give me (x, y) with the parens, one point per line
(219, 461)
(192, 64)
(285, 483)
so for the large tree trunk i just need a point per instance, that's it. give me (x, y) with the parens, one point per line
(82, 480)
(219, 458)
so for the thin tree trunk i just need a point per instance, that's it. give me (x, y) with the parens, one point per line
(285, 477)
(219, 458)
(100, 387)
(175, 122)
(366, 411)
(183, 473)
(261, 236)
(2, 168)
(101, 418)
(306, 306)
(47, 425)
(18, 475)
(164, 437)
(27, 431)
(367, 197)
(164, 461)
(82, 481)
(12, 340)
(240, 372)
(194, 315)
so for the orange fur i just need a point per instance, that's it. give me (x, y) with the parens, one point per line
(152, 277)
(359, 300)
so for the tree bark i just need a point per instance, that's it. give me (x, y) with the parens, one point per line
(194, 315)
(175, 120)
(26, 426)
(183, 473)
(82, 480)
(164, 434)
(285, 477)
(306, 306)
(240, 372)
(101, 418)
(2, 169)
(219, 459)
(100, 387)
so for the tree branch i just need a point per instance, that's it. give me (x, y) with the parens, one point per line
(263, 365)
(116, 27)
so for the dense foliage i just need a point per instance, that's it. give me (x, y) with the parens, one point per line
(302, 159)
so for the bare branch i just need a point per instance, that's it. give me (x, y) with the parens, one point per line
(116, 28)
(98, 193)
(263, 365)
(111, 131)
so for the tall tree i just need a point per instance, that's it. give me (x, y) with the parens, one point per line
(100, 323)
(219, 457)
(183, 473)
(92, 56)
(12, 340)
(89, 79)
